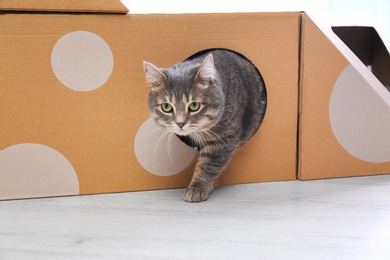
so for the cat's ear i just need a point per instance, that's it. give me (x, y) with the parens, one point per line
(207, 73)
(155, 78)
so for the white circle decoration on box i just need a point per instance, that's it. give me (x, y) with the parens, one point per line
(30, 170)
(82, 61)
(360, 117)
(161, 152)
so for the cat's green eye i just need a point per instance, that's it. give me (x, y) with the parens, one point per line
(167, 108)
(194, 106)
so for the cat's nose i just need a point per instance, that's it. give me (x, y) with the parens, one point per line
(180, 125)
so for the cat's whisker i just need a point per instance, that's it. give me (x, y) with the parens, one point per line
(153, 131)
(216, 136)
(199, 138)
(202, 142)
(162, 137)
(170, 155)
(195, 150)
(215, 139)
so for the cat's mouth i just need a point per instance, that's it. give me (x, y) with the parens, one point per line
(183, 132)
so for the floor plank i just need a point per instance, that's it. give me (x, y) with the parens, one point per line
(325, 219)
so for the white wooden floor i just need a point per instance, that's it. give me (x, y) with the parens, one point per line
(328, 219)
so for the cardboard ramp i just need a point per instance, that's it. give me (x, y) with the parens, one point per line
(344, 105)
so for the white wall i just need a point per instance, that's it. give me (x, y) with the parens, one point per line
(378, 9)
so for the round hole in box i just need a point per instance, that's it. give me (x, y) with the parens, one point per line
(262, 104)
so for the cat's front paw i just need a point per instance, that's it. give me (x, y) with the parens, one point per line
(195, 195)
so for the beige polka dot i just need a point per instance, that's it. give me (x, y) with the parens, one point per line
(34, 170)
(82, 61)
(159, 152)
(360, 116)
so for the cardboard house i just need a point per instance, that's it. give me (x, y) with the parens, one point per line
(74, 117)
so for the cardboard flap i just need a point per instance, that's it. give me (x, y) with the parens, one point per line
(79, 6)
(367, 45)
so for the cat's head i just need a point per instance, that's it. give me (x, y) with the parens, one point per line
(186, 97)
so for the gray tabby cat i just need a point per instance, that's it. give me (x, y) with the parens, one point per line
(214, 102)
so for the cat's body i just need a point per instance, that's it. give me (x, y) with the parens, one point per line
(214, 102)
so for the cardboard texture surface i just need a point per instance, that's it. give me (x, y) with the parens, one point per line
(74, 116)
(99, 6)
(344, 111)
(73, 97)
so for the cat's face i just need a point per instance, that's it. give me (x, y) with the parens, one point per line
(185, 98)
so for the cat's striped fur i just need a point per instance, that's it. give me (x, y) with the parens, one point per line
(232, 101)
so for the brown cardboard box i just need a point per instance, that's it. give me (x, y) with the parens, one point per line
(344, 109)
(74, 117)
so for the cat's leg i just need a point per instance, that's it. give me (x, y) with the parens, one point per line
(209, 166)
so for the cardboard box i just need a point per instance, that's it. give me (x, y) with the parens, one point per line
(344, 106)
(74, 116)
